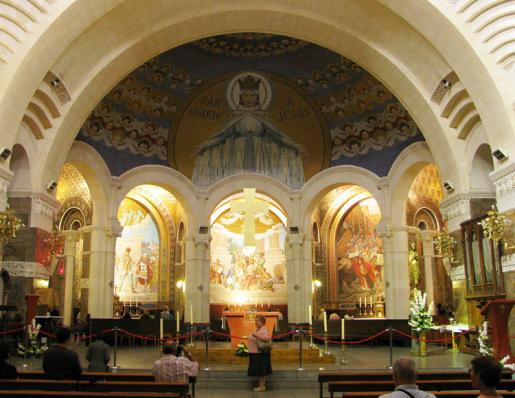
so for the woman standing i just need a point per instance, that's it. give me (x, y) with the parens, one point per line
(260, 364)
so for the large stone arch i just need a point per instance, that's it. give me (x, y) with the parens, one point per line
(96, 174)
(234, 184)
(320, 184)
(173, 181)
(406, 76)
(402, 174)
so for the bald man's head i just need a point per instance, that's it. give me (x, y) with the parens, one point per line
(170, 347)
(404, 371)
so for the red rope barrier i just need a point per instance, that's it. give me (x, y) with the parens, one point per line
(12, 330)
(322, 338)
(47, 334)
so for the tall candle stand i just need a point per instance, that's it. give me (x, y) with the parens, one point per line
(311, 344)
(326, 344)
(343, 361)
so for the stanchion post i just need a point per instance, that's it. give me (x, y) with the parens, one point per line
(343, 361)
(301, 339)
(326, 344)
(206, 368)
(115, 366)
(25, 364)
(390, 337)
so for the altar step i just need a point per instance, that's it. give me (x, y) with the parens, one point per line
(281, 379)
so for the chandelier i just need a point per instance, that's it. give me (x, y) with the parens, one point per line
(9, 224)
(445, 244)
(493, 225)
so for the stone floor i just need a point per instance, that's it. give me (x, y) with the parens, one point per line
(286, 378)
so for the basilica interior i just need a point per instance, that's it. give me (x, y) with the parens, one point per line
(254, 156)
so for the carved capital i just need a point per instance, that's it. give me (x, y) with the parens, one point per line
(5, 178)
(504, 182)
(455, 210)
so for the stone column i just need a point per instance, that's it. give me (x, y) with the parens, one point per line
(429, 255)
(197, 277)
(101, 269)
(70, 243)
(299, 274)
(396, 274)
(113, 232)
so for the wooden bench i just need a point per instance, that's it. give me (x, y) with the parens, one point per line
(181, 389)
(439, 394)
(426, 385)
(82, 394)
(328, 376)
(107, 376)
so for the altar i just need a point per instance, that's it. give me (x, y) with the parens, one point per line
(242, 324)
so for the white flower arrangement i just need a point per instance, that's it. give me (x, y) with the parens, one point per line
(421, 318)
(485, 348)
(506, 365)
(33, 347)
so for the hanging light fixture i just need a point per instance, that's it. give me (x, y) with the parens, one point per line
(445, 244)
(10, 224)
(493, 225)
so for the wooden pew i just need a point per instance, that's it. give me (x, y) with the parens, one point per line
(108, 376)
(181, 389)
(426, 385)
(82, 394)
(439, 394)
(451, 374)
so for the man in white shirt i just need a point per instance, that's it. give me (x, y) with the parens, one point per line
(173, 368)
(405, 380)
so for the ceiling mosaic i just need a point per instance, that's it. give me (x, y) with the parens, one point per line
(250, 102)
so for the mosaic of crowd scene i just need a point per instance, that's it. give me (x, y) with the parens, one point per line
(136, 114)
(247, 272)
(360, 270)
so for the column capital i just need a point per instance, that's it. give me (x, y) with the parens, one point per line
(114, 228)
(504, 182)
(456, 209)
(5, 179)
(43, 211)
(71, 235)
(428, 236)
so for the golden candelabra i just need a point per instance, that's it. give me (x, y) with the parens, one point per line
(445, 244)
(9, 224)
(493, 225)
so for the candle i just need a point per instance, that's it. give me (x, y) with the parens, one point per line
(371, 301)
(360, 302)
(325, 322)
(177, 322)
(191, 314)
(365, 301)
(343, 329)
(310, 315)
(161, 328)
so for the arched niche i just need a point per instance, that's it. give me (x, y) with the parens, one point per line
(20, 167)
(482, 166)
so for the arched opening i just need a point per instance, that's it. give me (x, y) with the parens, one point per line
(351, 271)
(146, 271)
(482, 166)
(248, 262)
(20, 166)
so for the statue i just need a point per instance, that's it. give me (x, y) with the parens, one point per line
(249, 142)
(413, 264)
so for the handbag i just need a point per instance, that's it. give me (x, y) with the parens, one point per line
(264, 346)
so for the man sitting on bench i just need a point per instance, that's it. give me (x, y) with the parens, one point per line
(58, 361)
(405, 380)
(173, 368)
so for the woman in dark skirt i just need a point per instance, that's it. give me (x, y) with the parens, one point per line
(260, 364)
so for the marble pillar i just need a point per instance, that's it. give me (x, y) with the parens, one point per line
(299, 271)
(396, 273)
(70, 243)
(197, 277)
(429, 263)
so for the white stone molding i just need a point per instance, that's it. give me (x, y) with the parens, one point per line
(455, 210)
(508, 263)
(504, 182)
(5, 178)
(43, 211)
